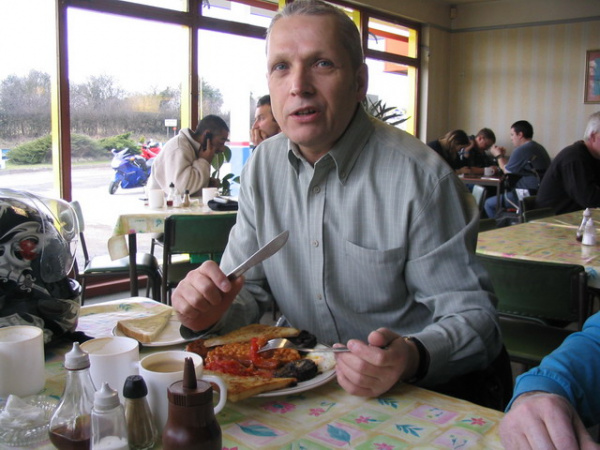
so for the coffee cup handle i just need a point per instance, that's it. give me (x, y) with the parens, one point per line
(222, 390)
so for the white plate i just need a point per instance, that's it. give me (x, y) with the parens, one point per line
(307, 385)
(169, 336)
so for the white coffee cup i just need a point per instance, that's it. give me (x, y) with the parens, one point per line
(112, 360)
(160, 370)
(488, 171)
(156, 198)
(208, 194)
(22, 370)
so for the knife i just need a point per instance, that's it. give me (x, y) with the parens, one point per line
(265, 252)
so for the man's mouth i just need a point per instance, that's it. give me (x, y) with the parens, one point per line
(305, 112)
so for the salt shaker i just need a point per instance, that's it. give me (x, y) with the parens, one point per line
(109, 431)
(141, 430)
(587, 215)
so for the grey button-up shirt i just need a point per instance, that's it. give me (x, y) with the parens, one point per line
(382, 233)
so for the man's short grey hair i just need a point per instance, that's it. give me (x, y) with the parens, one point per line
(593, 126)
(350, 37)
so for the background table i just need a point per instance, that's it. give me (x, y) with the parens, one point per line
(485, 181)
(323, 418)
(550, 239)
(145, 220)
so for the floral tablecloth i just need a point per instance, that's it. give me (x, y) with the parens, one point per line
(325, 417)
(542, 241)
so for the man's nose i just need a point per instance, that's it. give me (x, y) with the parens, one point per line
(255, 124)
(301, 82)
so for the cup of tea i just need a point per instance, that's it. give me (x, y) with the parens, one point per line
(156, 198)
(488, 171)
(208, 194)
(22, 370)
(162, 369)
(112, 360)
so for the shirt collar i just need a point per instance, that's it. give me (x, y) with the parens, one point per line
(346, 150)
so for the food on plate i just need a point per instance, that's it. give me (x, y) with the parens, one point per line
(242, 387)
(246, 372)
(244, 334)
(145, 329)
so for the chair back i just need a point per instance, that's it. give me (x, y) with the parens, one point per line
(479, 193)
(79, 213)
(539, 291)
(195, 235)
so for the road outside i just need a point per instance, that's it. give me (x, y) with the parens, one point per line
(90, 188)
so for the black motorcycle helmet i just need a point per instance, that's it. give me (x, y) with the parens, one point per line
(38, 239)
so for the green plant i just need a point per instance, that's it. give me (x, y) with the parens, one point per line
(217, 163)
(381, 111)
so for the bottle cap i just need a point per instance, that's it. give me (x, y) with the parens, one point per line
(77, 359)
(190, 391)
(135, 387)
(106, 398)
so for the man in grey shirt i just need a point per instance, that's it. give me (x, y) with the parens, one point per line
(382, 233)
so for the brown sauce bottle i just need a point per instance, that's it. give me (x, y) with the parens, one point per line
(191, 423)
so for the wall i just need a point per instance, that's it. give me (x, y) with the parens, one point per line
(534, 73)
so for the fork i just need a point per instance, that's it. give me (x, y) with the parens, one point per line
(274, 344)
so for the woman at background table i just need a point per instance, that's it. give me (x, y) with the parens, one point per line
(451, 149)
(554, 402)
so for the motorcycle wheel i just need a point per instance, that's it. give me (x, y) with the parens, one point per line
(113, 186)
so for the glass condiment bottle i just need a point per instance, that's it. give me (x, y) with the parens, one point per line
(109, 431)
(191, 423)
(185, 202)
(141, 430)
(589, 233)
(70, 427)
(587, 215)
(171, 194)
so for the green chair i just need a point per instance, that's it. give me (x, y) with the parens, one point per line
(487, 224)
(538, 213)
(103, 265)
(535, 302)
(202, 237)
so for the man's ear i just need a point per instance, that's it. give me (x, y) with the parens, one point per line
(362, 82)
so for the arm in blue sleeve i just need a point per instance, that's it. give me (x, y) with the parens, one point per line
(572, 371)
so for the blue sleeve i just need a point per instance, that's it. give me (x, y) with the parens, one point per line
(518, 159)
(572, 371)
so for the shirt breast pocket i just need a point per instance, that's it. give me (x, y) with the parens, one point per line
(373, 278)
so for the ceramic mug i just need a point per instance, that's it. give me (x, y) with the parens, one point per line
(488, 171)
(208, 194)
(162, 369)
(156, 198)
(22, 370)
(112, 360)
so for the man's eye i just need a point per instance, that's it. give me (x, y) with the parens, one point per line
(324, 63)
(280, 66)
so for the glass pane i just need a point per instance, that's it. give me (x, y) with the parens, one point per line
(231, 89)
(121, 97)
(177, 5)
(393, 86)
(253, 12)
(391, 38)
(26, 40)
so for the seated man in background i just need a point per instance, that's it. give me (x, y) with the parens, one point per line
(572, 182)
(554, 402)
(529, 160)
(477, 152)
(367, 262)
(265, 124)
(185, 159)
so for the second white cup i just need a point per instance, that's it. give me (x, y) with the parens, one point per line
(156, 198)
(162, 369)
(208, 194)
(21, 360)
(112, 360)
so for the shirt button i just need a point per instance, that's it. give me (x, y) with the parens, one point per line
(319, 297)
(315, 243)
(316, 189)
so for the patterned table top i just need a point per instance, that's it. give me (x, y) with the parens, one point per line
(322, 418)
(548, 240)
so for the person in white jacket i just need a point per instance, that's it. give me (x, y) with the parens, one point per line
(185, 159)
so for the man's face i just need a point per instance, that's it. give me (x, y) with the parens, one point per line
(314, 90)
(593, 145)
(515, 137)
(265, 122)
(219, 139)
(483, 143)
